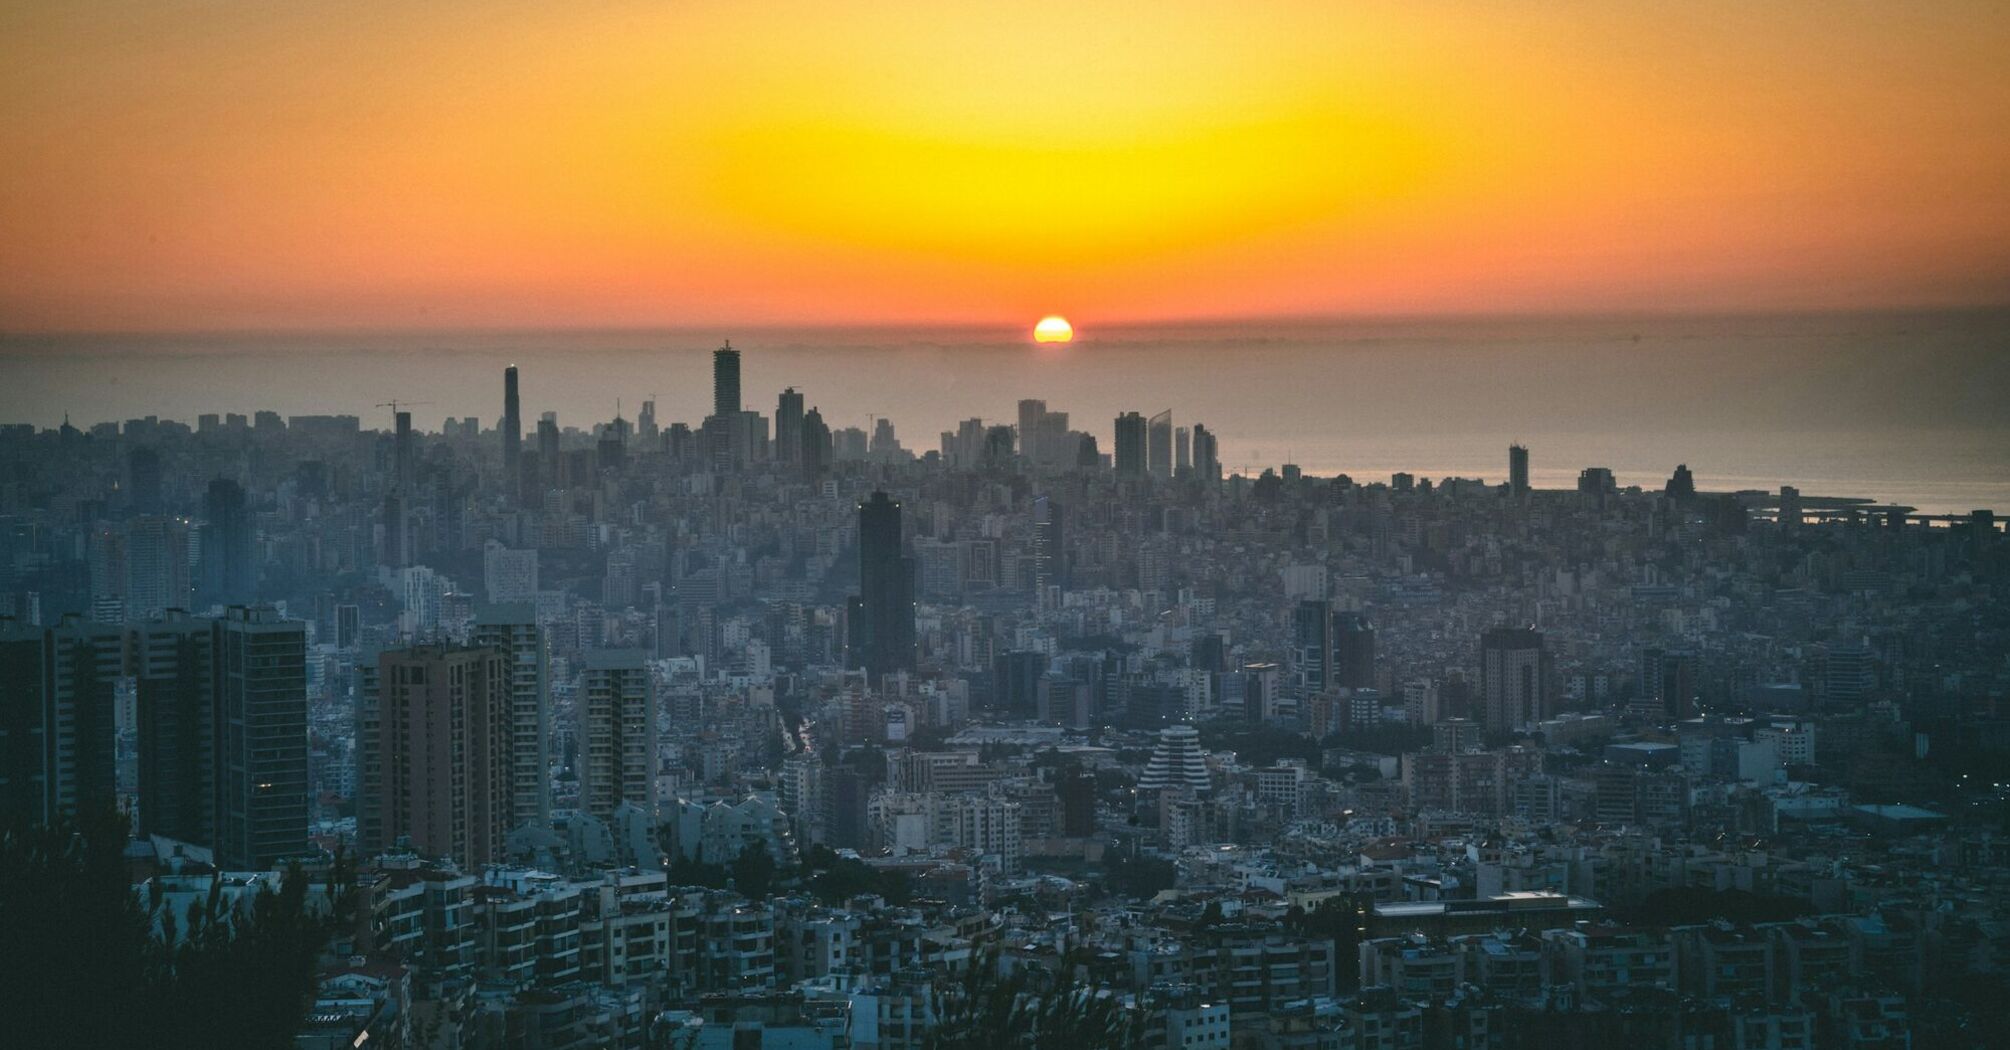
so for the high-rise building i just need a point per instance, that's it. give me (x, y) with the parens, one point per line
(143, 479)
(1016, 678)
(1353, 664)
(509, 574)
(1177, 763)
(229, 563)
(616, 733)
(1666, 685)
(816, 446)
(512, 436)
(1032, 415)
(1159, 445)
(58, 694)
(261, 738)
(1130, 453)
(789, 427)
(1182, 452)
(1681, 484)
(1206, 454)
(175, 673)
(726, 381)
(1514, 678)
(432, 753)
(1312, 646)
(403, 450)
(157, 569)
(882, 631)
(1518, 470)
(512, 630)
(1050, 551)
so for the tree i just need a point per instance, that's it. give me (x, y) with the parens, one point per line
(1339, 918)
(102, 967)
(754, 871)
(1142, 877)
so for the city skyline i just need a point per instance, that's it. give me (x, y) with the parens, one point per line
(786, 525)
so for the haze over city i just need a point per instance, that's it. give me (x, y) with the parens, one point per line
(921, 526)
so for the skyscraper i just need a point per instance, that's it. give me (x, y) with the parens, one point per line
(512, 630)
(1514, 678)
(726, 381)
(816, 446)
(229, 568)
(617, 733)
(1312, 646)
(261, 738)
(432, 756)
(1159, 445)
(883, 630)
(175, 673)
(222, 719)
(143, 479)
(57, 737)
(1032, 414)
(1517, 470)
(1353, 652)
(1206, 454)
(512, 436)
(157, 571)
(1050, 552)
(1130, 452)
(402, 451)
(789, 427)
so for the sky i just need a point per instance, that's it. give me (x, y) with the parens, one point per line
(198, 166)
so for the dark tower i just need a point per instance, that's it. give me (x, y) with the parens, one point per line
(402, 449)
(815, 454)
(229, 572)
(1130, 445)
(789, 427)
(143, 487)
(512, 435)
(1312, 646)
(726, 381)
(883, 632)
(1353, 652)
(1050, 552)
(1517, 470)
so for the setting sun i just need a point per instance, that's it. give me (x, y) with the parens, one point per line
(1053, 329)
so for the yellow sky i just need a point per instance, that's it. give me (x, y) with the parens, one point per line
(225, 165)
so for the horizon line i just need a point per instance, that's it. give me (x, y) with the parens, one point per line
(1282, 320)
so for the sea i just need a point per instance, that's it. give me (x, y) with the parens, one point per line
(1911, 408)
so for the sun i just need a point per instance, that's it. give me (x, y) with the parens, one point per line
(1053, 329)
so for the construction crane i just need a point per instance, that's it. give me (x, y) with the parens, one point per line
(393, 406)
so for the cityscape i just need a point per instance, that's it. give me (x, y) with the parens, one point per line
(657, 732)
(1062, 525)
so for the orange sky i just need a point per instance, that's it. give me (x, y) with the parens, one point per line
(205, 165)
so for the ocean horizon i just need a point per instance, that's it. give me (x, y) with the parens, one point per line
(1899, 407)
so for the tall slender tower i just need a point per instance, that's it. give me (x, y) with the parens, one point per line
(1159, 443)
(1130, 445)
(617, 733)
(883, 628)
(726, 381)
(1517, 470)
(511, 629)
(512, 435)
(789, 427)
